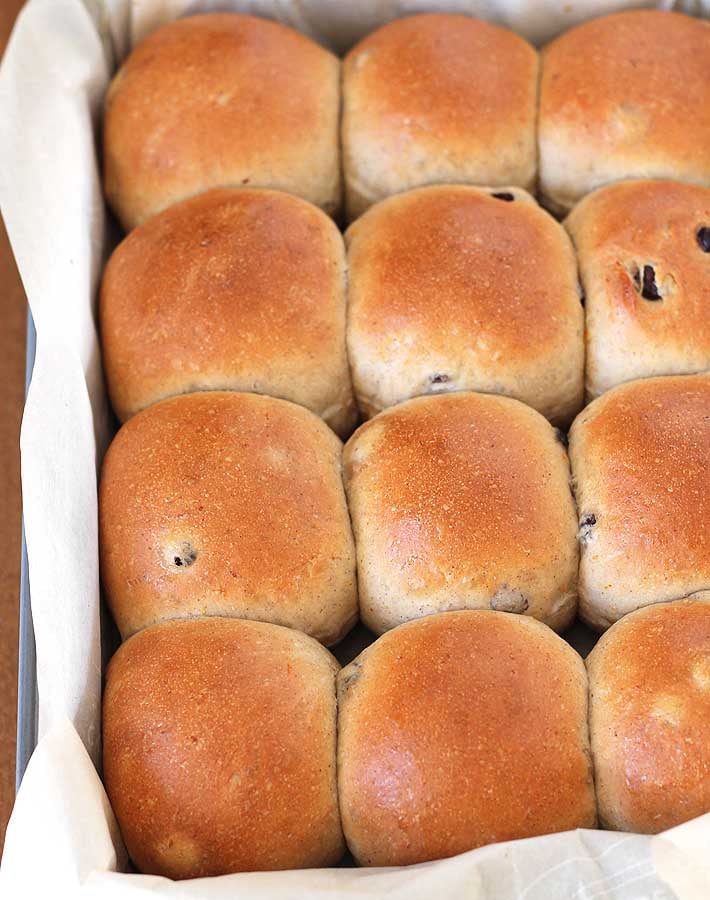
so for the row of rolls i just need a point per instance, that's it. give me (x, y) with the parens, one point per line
(441, 288)
(232, 745)
(229, 503)
(224, 99)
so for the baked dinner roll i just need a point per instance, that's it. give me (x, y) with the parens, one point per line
(641, 465)
(460, 730)
(437, 98)
(461, 502)
(649, 679)
(644, 256)
(463, 288)
(221, 99)
(227, 504)
(624, 96)
(233, 289)
(219, 748)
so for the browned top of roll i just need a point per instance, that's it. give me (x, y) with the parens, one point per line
(456, 81)
(219, 748)
(464, 487)
(656, 221)
(220, 99)
(641, 462)
(215, 499)
(458, 730)
(453, 263)
(650, 716)
(238, 289)
(637, 82)
(620, 231)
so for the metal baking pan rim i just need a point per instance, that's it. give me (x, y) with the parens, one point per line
(27, 704)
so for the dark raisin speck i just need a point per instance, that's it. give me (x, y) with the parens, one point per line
(349, 677)
(703, 237)
(650, 288)
(439, 378)
(504, 195)
(586, 525)
(186, 557)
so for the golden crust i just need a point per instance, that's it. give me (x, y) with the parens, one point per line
(619, 231)
(451, 288)
(461, 501)
(227, 504)
(233, 289)
(219, 749)
(649, 679)
(641, 464)
(459, 730)
(221, 99)
(625, 95)
(437, 98)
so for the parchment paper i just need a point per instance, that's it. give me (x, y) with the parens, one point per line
(62, 839)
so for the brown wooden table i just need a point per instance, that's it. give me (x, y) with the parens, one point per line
(12, 367)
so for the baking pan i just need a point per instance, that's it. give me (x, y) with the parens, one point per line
(27, 659)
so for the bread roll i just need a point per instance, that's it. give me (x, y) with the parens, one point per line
(644, 258)
(641, 465)
(233, 289)
(437, 98)
(221, 99)
(624, 96)
(461, 502)
(219, 748)
(453, 288)
(227, 504)
(460, 730)
(649, 679)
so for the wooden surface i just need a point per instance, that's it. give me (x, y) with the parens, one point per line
(12, 368)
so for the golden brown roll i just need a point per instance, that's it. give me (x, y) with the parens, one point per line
(649, 679)
(461, 502)
(437, 98)
(221, 99)
(227, 504)
(640, 458)
(219, 748)
(644, 257)
(233, 289)
(460, 730)
(624, 96)
(463, 288)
